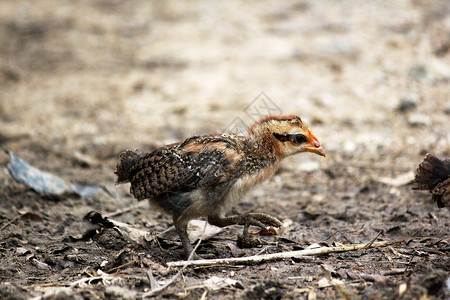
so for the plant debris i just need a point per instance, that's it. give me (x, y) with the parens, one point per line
(43, 182)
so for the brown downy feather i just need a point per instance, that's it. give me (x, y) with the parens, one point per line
(127, 161)
(433, 175)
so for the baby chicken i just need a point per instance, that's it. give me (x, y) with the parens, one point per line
(204, 176)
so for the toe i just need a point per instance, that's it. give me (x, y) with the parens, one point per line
(256, 222)
(267, 219)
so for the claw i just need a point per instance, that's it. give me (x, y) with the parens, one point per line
(256, 219)
(265, 219)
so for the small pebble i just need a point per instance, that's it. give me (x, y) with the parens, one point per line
(323, 283)
(408, 103)
(419, 120)
(21, 251)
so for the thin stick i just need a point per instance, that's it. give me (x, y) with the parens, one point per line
(10, 222)
(153, 283)
(373, 240)
(275, 256)
(395, 271)
(121, 266)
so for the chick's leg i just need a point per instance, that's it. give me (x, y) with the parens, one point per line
(181, 227)
(256, 219)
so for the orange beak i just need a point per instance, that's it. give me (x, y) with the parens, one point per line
(313, 145)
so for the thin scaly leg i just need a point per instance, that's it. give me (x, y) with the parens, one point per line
(256, 219)
(181, 228)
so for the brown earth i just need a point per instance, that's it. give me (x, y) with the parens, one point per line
(82, 80)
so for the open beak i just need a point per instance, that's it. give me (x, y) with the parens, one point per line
(314, 146)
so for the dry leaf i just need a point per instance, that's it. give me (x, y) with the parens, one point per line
(195, 230)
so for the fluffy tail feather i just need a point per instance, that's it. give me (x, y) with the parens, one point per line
(431, 172)
(124, 169)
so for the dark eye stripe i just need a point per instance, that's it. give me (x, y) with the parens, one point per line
(282, 137)
(294, 138)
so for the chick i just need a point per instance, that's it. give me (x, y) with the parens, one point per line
(204, 176)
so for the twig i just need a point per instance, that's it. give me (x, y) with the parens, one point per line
(186, 264)
(204, 295)
(373, 240)
(263, 250)
(409, 265)
(275, 256)
(121, 266)
(367, 277)
(10, 222)
(395, 271)
(153, 283)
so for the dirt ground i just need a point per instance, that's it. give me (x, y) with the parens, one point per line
(82, 80)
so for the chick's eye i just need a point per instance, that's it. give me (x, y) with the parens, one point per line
(298, 139)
